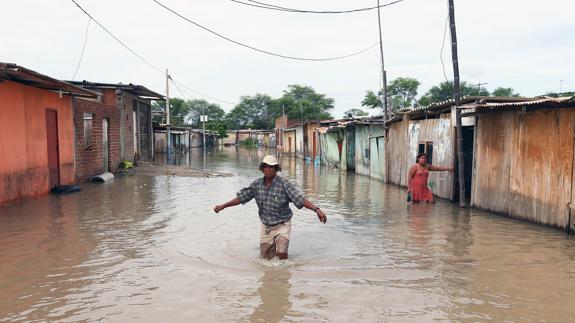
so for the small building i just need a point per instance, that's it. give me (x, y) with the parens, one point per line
(36, 132)
(134, 105)
(179, 139)
(524, 161)
(283, 124)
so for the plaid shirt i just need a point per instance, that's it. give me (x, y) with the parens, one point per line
(273, 201)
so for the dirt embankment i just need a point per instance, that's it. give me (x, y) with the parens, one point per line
(150, 169)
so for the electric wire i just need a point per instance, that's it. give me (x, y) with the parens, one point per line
(134, 52)
(260, 50)
(442, 45)
(264, 5)
(83, 49)
(117, 39)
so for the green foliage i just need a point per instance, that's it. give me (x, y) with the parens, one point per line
(179, 110)
(260, 111)
(555, 94)
(219, 127)
(250, 142)
(504, 91)
(402, 91)
(355, 113)
(372, 101)
(444, 91)
(256, 112)
(201, 106)
(303, 103)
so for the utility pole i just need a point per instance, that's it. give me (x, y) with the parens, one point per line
(479, 88)
(456, 93)
(560, 87)
(383, 73)
(204, 128)
(168, 133)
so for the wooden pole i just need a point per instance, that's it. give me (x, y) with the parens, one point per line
(456, 95)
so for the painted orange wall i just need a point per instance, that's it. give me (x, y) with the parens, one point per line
(23, 145)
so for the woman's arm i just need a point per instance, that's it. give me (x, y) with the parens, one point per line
(410, 176)
(440, 168)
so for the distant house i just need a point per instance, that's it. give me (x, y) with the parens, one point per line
(36, 132)
(133, 103)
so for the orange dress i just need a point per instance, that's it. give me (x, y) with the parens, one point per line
(419, 190)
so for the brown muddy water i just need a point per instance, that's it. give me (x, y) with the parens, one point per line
(150, 249)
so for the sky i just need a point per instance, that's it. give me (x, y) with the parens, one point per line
(526, 45)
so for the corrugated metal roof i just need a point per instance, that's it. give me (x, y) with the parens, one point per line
(546, 102)
(135, 89)
(15, 73)
(438, 106)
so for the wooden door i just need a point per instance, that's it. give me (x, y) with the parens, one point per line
(53, 149)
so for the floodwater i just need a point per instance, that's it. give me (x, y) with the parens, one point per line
(150, 249)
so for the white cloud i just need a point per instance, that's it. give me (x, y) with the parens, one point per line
(527, 45)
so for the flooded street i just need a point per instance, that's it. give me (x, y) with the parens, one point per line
(151, 249)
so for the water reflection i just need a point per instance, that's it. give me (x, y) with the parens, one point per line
(150, 249)
(274, 293)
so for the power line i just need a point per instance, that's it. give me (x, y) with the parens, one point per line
(264, 5)
(117, 39)
(199, 93)
(260, 50)
(443, 45)
(132, 51)
(83, 49)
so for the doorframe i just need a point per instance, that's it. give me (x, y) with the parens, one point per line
(57, 165)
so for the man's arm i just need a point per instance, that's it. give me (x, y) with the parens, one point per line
(229, 203)
(309, 205)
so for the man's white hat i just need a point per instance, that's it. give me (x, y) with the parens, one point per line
(270, 160)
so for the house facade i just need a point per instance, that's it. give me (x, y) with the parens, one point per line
(36, 132)
(133, 103)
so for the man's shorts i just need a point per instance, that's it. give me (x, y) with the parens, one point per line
(274, 239)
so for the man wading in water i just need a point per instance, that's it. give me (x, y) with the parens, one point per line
(273, 194)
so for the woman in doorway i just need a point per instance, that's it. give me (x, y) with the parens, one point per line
(417, 179)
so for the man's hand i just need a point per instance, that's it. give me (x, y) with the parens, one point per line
(218, 208)
(321, 216)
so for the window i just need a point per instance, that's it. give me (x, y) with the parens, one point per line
(88, 130)
(426, 148)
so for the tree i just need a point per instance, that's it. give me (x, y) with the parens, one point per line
(372, 101)
(302, 103)
(354, 113)
(217, 126)
(255, 112)
(504, 91)
(402, 91)
(179, 110)
(444, 92)
(199, 106)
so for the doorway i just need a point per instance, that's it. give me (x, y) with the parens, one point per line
(105, 148)
(53, 149)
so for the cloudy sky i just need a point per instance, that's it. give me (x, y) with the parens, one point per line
(527, 45)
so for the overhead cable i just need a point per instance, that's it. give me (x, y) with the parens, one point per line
(130, 50)
(264, 5)
(260, 50)
(118, 40)
(83, 49)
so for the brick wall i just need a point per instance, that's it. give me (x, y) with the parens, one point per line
(89, 160)
(128, 128)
